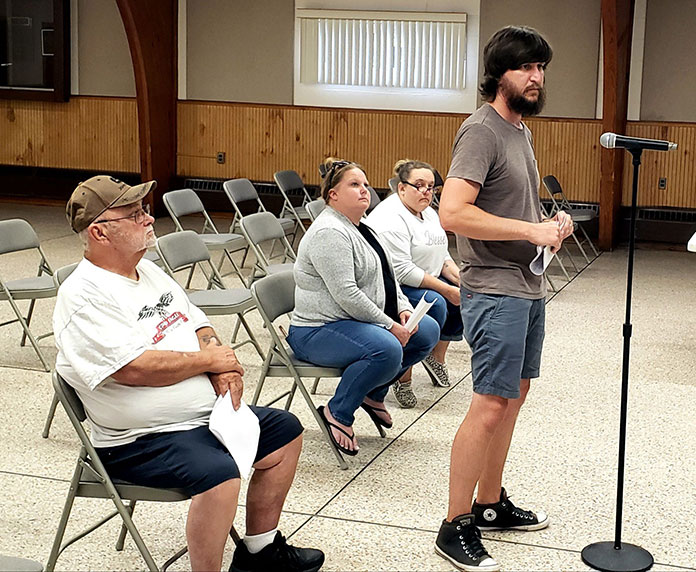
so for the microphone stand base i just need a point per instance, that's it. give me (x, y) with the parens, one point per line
(606, 557)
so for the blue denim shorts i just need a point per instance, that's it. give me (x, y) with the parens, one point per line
(506, 335)
(193, 460)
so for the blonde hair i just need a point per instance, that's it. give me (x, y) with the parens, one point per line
(403, 168)
(332, 171)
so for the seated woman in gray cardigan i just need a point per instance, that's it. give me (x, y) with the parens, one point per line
(349, 311)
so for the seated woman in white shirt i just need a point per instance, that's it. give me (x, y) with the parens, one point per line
(410, 228)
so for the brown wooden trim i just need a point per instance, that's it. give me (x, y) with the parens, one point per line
(151, 29)
(617, 22)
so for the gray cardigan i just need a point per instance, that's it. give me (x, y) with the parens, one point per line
(338, 276)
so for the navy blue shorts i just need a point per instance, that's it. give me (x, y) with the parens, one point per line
(193, 460)
(506, 335)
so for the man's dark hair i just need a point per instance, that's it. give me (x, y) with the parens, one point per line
(508, 49)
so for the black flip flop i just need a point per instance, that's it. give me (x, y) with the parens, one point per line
(329, 426)
(376, 419)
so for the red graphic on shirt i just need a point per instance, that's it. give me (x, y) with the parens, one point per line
(160, 308)
(166, 323)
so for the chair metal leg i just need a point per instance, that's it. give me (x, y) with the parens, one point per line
(30, 313)
(563, 268)
(582, 250)
(122, 535)
(303, 390)
(50, 416)
(314, 387)
(27, 332)
(587, 238)
(250, 333)
(548, 279)
(63, 522)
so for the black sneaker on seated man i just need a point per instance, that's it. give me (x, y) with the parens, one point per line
(503, 515)
(278, 556)
(459, 542)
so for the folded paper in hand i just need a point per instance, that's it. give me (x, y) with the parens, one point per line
(420, 310)
(237, 430)
(541, 260)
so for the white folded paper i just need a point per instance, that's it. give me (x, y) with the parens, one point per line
(237, 430)
(541, 260)
(420, 310)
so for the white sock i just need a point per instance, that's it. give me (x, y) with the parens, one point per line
(257, 542)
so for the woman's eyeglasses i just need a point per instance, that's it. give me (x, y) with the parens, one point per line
(138, 216)
(420, 187)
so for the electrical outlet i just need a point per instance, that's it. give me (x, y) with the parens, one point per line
(662, 183)
(220, 158)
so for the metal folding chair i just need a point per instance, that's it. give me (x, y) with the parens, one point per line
(17, 235)
(59, 276)
(241, 191)
(184, 250)
(290, 183)
(315, 207)
(259, 228)
(579, 215)
(275, 297)
(91, 480)
(185, 202)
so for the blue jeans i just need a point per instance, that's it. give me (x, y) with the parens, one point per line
(447, 315)
(372, 357)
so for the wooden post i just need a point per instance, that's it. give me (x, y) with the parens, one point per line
(151, 29)
(617, 21)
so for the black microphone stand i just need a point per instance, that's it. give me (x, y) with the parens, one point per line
(617, 556)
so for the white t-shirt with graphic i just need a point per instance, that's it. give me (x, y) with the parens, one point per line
(417, 245)
(102, 321)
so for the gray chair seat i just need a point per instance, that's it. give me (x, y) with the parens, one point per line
(277, 367)
(583, 215)
(227, 240)
(216, 302)
(282, 267)
(287, 223)
(91, 487)
(19, 564)
(30, 288)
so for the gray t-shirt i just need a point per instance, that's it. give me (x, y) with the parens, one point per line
(500, 157)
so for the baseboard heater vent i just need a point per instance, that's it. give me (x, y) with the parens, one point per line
(665, 215)
(263, 188)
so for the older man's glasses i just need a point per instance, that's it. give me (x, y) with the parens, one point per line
(138, 216)
(420, 187)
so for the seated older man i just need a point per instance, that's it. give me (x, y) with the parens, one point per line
(147, 365)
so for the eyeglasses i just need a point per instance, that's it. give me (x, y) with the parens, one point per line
(138, 216)
(420, 187)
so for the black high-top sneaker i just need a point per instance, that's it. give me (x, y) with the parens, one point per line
(459, 542)
(278, 556)
(503, 515)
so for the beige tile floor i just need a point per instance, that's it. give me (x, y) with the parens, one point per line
(384, 511)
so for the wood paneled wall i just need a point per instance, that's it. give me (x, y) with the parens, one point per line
(101, 134)
(94, 133)
(676, 166)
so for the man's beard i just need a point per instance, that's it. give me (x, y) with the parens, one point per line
(518, 103)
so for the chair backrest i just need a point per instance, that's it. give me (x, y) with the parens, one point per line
(374, 200)
(71, 402)
(182, 203)
(289, 181)
(17, 234)
(60, 275)
(180, 249)
(260, 227)
(558, 198)
(315, 207)
(393, 184)
(274, 295)
(239, 191)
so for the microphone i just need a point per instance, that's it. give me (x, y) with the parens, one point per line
(612, 141)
